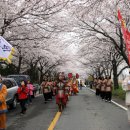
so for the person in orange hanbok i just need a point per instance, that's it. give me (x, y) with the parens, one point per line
(68, 86)
(75, 86)
(77, 82)
(3, 106)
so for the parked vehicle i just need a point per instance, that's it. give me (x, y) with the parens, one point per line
(19, 78)
(12, 96)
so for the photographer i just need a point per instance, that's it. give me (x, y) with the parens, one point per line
(23, 96)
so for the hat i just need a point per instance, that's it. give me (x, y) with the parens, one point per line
(77, 75)
(70, 75)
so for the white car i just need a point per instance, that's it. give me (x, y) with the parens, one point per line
(12, 88)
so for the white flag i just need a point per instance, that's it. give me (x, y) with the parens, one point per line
(6, 50)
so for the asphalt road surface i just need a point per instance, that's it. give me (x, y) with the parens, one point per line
(83, 112)
(38, 116)
(87, 112)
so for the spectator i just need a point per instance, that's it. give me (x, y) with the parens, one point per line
(108, 89)
(3, 106)
(81, 84)
(103, 85)
(126, 87)
(30, 92)
(23, 96)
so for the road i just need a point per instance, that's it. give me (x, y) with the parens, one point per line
(38, 117)
(83, 112)
(87, 112)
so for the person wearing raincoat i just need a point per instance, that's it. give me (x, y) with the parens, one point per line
(75, 86)
(3, 106)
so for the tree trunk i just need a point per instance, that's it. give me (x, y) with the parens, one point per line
(19, 65)
(116, 84)
(41, 76)
(115, 75)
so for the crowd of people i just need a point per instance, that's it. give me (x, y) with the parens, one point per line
(68, 85)
(25, 93)
(50, 88)
(103, 88)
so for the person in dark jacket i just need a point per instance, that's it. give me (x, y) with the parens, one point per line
(23, 96)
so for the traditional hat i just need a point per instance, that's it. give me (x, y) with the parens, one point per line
(70, 75)
(77, 75)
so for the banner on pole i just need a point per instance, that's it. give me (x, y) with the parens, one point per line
(6, 50)
(126, 33)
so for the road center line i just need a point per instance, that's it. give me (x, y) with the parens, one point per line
(117, 104)
(54, 121)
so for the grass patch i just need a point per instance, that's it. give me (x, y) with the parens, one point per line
(119, 93)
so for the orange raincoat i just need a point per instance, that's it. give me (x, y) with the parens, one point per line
(3, 106)
(75, 86)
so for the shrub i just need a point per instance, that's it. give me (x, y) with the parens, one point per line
(119, 93)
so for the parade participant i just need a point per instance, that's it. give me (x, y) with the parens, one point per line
(3, 106)
(60, 96)
(45, 90)
(50, 88)
(23, 96)
(108, 89)
(126, 87)
(95, 83)
(30, 92)
(77, 82)
(54, 88)
(103, 85)
(68, 86)
(98, 83)
(75, 86)
(81, 84)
